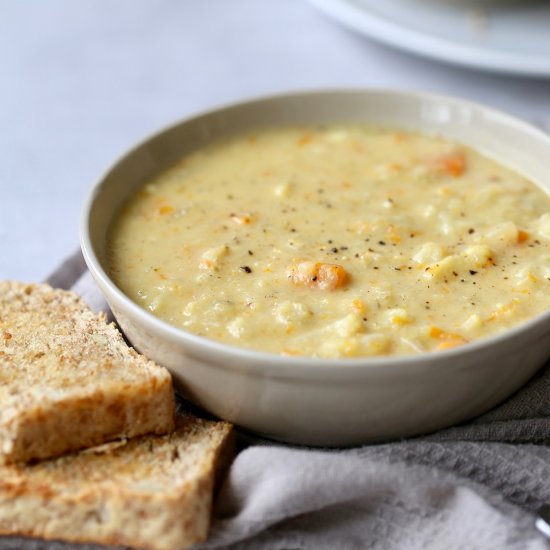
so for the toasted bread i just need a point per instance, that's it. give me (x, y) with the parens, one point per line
(67, 378)
(151, 492)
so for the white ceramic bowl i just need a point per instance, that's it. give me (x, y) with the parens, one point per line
(328, 402)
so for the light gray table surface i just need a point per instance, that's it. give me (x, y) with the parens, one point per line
(82, 80)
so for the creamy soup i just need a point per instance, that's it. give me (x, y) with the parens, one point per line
(337, 241)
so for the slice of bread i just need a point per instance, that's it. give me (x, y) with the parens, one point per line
(67, 378)
(150, 492)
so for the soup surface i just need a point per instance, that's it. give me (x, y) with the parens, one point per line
(337, 241)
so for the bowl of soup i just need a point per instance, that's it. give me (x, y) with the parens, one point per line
(333, 267)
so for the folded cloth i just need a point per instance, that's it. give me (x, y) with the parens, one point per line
(473, 486)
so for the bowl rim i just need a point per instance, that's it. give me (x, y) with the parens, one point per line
(257, 360)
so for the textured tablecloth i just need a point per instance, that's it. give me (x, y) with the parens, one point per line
(474, 486)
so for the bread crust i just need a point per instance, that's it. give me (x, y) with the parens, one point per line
(67, 378)
(153, 492)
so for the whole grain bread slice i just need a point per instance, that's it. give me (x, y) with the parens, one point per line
(151, 492)
(67, 378)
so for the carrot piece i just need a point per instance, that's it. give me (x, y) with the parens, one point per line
(447, 338)
(331, 276)
(449, 344)
(166, 209)
(317, 275)
(522, 236)
(453, 164)
(399, 320)
(435, 332)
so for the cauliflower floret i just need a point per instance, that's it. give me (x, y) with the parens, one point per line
(506, 233)
(291, 312)
(443, 268)
(347, 326)
(480, 254)
(429, 253)
(398, 316)
(526, 276)
(543, 226)
(282, 190)
(374, 344)
(237, 327)
(473, 322)
(211, 258)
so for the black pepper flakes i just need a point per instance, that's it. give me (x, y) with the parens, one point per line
(334, 249)
(246, 269)
(383, 243)
(472, 272)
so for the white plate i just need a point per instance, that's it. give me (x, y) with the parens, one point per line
(512, 37)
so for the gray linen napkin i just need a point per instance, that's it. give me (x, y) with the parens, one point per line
(474, 486)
